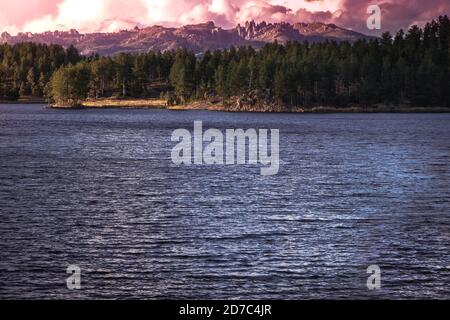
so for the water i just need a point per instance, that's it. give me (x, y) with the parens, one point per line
(96, 188)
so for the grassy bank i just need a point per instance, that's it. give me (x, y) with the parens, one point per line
(205, 105)
(125, 103)
(354, 109)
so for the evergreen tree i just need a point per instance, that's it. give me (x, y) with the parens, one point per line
(182, 75)
(411, 68)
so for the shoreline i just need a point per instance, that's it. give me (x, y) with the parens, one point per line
(25, 101)
(208, 106)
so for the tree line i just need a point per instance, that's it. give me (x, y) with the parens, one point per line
(411, 68)
(26, 68)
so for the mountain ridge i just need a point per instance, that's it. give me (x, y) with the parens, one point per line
(194, 37)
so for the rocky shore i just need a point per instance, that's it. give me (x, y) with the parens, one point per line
(244, 104)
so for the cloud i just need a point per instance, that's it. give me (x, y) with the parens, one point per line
(396, 14)
(111, 15)
(91, 15)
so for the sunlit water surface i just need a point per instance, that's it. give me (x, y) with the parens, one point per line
(97, 188)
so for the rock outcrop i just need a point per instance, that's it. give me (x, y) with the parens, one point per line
(197, 38)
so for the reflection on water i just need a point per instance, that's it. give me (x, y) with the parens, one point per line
(97, 188)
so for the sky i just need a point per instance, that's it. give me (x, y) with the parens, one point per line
(112, 15)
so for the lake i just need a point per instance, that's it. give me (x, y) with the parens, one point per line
(98, 189)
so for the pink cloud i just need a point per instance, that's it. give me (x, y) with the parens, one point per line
(396, 14)
(18, 12)
(15, 14)
(109, 15)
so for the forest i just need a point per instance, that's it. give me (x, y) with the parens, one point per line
(409, 68)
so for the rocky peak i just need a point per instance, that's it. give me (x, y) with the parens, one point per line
(200, 26)
(5, 37)
(195, 37)
(250, 29)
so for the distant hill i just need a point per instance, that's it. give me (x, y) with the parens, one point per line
(197, 38)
